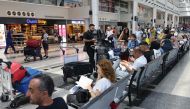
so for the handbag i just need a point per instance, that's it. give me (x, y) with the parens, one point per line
(79, 97)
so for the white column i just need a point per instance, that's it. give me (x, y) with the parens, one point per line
(95, 10)
(177, 21)
(134, 23)
(130, 12)
(173, 21)
(166, 19)
(87, 23)
(154, 17)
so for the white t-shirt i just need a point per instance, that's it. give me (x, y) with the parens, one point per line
(139, 34)
(45, 37)
(139, 62)
(102, 85)
(157, 53)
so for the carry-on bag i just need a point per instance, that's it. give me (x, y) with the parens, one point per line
(19, 100)
(33, 43)
(23, 85)
(17, 71)
(75, 69)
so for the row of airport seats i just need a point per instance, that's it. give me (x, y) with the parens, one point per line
(133, 84)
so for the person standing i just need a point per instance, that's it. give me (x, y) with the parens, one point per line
(9, 41)
(89, 42)
(45, 43)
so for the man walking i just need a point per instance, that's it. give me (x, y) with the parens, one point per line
(9, 41)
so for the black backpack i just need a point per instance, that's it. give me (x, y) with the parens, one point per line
(80, 97)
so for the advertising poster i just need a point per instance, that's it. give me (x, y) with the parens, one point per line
(60, 30)
(2, 36)
(63, 28)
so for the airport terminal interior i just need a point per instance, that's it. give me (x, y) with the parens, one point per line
(94, 54)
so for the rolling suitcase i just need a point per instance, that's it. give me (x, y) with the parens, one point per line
(75, 69)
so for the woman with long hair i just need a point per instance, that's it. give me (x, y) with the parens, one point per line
(124, 35)
(106, 77)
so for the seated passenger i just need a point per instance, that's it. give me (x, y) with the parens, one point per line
(120, 70)
(155, 46)
(175, 42)
(166, 44)
(133, 42)
(149, 54)
(139, 61)
(40, 91)
(106, 77)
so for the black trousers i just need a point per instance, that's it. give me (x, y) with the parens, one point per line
(90, 51)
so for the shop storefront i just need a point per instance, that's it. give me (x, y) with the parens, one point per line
(24, 28)
(75, 30)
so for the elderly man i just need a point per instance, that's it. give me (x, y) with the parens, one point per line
(40, 91)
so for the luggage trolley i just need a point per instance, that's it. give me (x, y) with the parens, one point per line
(6, 89)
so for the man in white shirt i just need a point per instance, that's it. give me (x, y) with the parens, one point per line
(45, 43)
(139, 61)
(139, 33)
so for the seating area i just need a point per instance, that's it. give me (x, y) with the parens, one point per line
(133, 84)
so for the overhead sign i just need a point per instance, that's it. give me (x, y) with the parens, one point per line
(31, 21)
(35, 21)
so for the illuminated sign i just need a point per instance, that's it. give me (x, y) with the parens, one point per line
(42, 22)
(77, 22)
(35, 21)
(31, 21)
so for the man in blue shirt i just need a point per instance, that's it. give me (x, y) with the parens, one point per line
(132, 43)
(9, 41)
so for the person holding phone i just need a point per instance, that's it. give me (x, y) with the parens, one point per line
(138, 60)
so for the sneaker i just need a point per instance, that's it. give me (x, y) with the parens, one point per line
(45, 57)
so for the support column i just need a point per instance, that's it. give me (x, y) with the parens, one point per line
(177, 21)
(173, 21)
(87, 23)
(95, 10)
(130, 11)
(166, 19)
(154, 17)
(134, 22)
